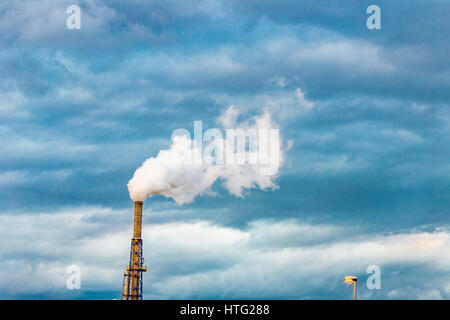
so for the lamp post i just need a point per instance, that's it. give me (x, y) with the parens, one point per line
(352, 279)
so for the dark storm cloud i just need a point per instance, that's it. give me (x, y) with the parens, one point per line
(81, 109)
(380, 108)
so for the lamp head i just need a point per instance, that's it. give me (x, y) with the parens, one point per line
(350, 279)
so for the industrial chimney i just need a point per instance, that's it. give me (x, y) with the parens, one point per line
(132, 282)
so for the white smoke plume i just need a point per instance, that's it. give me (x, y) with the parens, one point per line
(188, 169)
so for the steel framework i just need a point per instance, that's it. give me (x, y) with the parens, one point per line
(132, 278)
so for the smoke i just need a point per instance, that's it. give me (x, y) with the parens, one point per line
(190, 167)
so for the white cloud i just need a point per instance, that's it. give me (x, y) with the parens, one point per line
(43, 146)
(11, 104)
(201, 259)
(23, 177)
(430, 295)
(302, 100)
(42, 21)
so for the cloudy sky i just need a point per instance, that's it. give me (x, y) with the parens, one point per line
(365, 182)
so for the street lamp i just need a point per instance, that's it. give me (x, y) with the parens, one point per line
(352, 279)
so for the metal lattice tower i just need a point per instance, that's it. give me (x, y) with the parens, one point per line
(132, 281)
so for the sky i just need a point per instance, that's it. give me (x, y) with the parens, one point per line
(365, 180)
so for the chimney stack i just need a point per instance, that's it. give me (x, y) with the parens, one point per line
(137, 231)
(132, 282)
